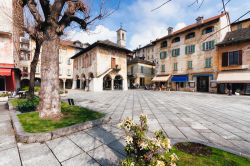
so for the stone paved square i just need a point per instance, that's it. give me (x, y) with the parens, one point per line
(216, 120)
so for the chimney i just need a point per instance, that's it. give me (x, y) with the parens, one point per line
(199, 19)
(170, 30)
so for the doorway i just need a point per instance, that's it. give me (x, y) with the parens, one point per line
(118, 82)
(107, 82)
(2, 84)
(203, 84)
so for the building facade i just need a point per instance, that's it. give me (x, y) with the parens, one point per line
(234, 61)
(66, 50)
(102, 65)
(188, 57)
(9, 46)
(140, 73)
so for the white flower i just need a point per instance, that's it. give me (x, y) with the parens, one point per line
(160, 163)
(132, 164)
(129, 140)
(143, 145)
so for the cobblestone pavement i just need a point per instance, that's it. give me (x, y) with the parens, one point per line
(216, 120)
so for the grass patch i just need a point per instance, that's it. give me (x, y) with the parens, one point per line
(71, 115)
(195, 155)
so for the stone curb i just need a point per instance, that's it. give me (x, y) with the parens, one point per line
(25, 137)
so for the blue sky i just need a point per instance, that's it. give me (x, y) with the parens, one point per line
(143, 25)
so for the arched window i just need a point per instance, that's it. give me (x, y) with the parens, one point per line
(190, 35)
(177, 39)
(123, 37)
(207, 30)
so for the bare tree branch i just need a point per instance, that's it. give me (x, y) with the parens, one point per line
(161, 5)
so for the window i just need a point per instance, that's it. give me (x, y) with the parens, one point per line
(69, 62)
(190, 35)
(208, 45)
(163, 55)
(208, 30)
(175, 52)
(190, 49)
(123, 36)
(164, 44)
(177, 39)
(232, 58)
(142, 69)
(38, 69)
(68, 72)
(190, 64)
(208, 63)
(162, 68)
(132, 70)
(175, 66)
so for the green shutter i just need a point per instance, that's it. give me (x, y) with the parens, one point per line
(193, 48)
(213, 42)
(203, 46)
(186, 50)
(160, 55)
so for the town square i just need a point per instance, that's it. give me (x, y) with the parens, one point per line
(126, 83)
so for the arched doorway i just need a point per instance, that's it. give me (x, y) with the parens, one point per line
(38, 82)
(118, 82)
(25, 83)
(68, 84)
(107, 82)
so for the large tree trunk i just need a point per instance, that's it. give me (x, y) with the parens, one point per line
(33, 65)
(49, 106)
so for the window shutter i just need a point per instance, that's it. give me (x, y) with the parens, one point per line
(203, 46)
(213, 42)
(186, 49)
(240, 57)
(224, 59)
(172, 52)
(160, 55)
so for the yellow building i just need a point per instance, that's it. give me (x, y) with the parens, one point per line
(188, 57)
(66, 50)
(234, 62)
(140, 73)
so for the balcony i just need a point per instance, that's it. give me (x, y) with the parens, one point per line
(116, 68)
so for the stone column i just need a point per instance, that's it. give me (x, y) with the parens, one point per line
(112, 84)
(74, 84)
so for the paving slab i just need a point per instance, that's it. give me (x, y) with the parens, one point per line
(80, 160)
(85, 141)
(10, 157)
(106, 156)
(63, 148)
(37, 154)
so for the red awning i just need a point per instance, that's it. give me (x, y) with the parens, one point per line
(5, 72)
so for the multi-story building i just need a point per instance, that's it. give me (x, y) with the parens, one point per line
(140, 72)
(9, 45)
(147, 52)
(234, 60)
(102, 65)
(66, 51)
(188, 57)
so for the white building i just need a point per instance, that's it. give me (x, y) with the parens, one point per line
(102, 65)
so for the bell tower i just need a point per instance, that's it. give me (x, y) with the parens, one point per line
(121, 37)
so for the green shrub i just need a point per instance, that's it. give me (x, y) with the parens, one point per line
(142, 150)
(36, 88)
(26, 105)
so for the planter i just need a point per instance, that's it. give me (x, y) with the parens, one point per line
(25, 137)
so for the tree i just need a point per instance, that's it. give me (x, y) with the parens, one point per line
(51, 20)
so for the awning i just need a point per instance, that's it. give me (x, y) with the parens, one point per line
(234, 77)
(179, 78)
(5, 72)
(161, 78)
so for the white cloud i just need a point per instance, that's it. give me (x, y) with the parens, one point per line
(179, 26)
(99, 33)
